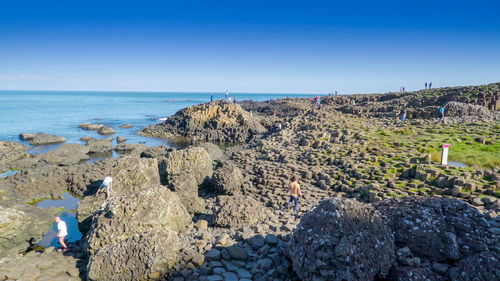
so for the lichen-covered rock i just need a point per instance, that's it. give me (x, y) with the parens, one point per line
(19, 224)
(479, 267)
(41, 139)
(227, 179)
(437, 228)
(135, 235)
(342, 239)
(142, 256)
(219, 121)
(238, 211)
(193, 161)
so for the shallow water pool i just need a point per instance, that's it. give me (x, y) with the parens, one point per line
(70, 203)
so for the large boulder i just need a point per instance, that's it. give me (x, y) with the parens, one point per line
(437, 228)
(342, 239)
(238, 211)
(42, 139)
(227, 179)
(130, 174)
(214, 151)
(218, 121)
(156, 151)
(193, 161)
(20, 224)
(134, 236)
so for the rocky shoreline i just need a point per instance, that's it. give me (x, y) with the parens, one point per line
(376, 205)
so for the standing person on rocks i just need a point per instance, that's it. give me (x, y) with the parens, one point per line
(106, 185)
(295, 193)
(430, 85)
(426, 85)
(62, 232)
(211, 98)
(402, 115)
(441, 114)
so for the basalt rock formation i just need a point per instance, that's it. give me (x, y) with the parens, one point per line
(218, 121)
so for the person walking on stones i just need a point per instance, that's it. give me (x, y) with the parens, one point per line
(441, 113)
(106, 186)
(295, 193)
(402, 115)
(62, 232)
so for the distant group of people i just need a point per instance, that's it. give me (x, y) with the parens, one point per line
(428, 85)
(402, 89)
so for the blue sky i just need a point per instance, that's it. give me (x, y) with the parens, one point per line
(248, 46)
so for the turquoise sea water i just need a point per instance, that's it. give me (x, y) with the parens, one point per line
(60, 113)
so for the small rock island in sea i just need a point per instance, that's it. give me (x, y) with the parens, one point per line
(377, 203)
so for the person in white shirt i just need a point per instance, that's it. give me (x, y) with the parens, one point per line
(106, 183)
(62, 232)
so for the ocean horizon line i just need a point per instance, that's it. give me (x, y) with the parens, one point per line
(164, 92)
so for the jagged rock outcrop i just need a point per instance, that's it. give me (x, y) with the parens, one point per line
(218, 121)
(227, 179)
(342, 239)
(156, 151)
(238, 211)
(134, 236)
(213, 150)
(437, 229)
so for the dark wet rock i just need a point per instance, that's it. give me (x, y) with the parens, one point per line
(437, 228)
(42, 139)
(342, 239)
(479, 267)
(135, 236)
(87, 126)
(227, 179)
(238, 211)
(219, 121)
(100, 146)
(104, 130)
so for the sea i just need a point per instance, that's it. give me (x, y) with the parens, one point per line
(60, 112)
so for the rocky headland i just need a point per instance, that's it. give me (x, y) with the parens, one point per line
(377, 204)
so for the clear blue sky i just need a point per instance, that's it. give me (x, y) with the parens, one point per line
(248, 46)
